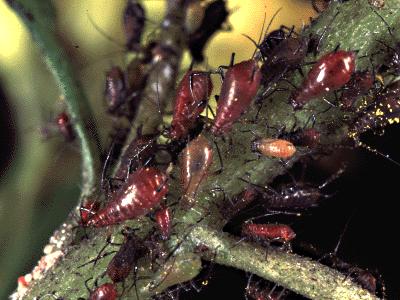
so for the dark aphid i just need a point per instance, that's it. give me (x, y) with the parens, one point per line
(65, 127)
(143, 190)
(331, 72)
(191, 98)
(297, 196)
(163, 219)
(134, 19)
(214, 16)
(308, 137)
(269, 232)
(195, 161)
(115, 90)
(138, 153)
(392, 60)
(238, 89)
(320, 5)
(385, 110)
(106, 291)
(359, 85)
(124, 261)
(278, 148)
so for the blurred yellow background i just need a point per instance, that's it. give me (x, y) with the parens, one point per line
(42, 182)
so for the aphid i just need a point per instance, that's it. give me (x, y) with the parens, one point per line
(360, 84)
(297, 196)
(65, 126)
(106, 291)
(331, 72)
(195, 162)
(124, 261)
(392, 61)
(308, 137)
(134, 19)
(278, 148)
(269, 232)
(163, 219)
(215, 15)
(238, 89)
(143, 190)
(191, 98)
(115, 90)
(138, 153)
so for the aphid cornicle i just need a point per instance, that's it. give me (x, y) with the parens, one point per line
(115, 90)
(163, 219)
(124, 261)
(195, 161)
(278, 148)
(191, 98)
(65, 127)
(214, 16)
(144, 190)
(331, 72)
(269, 232)
(238, 89)
(134, 19)
(106, 291)
(359, 85)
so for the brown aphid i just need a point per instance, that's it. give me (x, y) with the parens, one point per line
(134, 19)
(195, 162)
(278, 148)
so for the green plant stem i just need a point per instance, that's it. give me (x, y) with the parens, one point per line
(39, 18)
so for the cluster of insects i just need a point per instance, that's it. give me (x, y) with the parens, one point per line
(141, 182)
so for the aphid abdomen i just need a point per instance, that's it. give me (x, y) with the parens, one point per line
(106, 291)
(193, 92)
(238, 89)
(143, 191)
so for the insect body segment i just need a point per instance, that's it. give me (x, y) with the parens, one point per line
(195, 162)
(274, 148)
(238, 89)
(193, 92)
(115, 89)
(106, 291)
(332, 71)
(134, 19)
(144, 190)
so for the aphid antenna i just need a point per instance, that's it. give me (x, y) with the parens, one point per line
(248, 285)
(325, 31)
(333, 177)
(375, 151)
(383, 20)
(266, 187)
(102, 31)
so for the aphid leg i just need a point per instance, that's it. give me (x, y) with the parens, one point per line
(101, 255)
(220, 160)
(323, 34)
(383, 20)
(333, 177)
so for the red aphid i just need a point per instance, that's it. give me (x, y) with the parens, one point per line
(65, 127)
(87, 210)
(144, 190)
(238, 89)
(331, 72)
(195, 162)
(191, 98)
(269, 232)
(163, 219)
(106, 291)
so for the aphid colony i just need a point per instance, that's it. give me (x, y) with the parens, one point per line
(143, 182)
